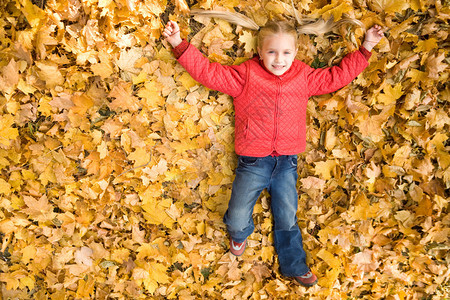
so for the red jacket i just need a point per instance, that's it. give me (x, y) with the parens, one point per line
(270, 110)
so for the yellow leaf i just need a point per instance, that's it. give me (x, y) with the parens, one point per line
(182, 6)
(331, 138)
(27, 282)
(7, 226)
(274, 7)
(9, 76)
(147, 251)
(416, 75)
(120, 255)
(370, 126)
(325, 168)
(150, 285)
(395, 6)
(103, 69)
(401, 156)
(142, 77)
(327, 233)
(437, 142)
(267, 253)
(7, 133)
(329, 258)
(33, 13)
(187, 81)
(5, 187)
(11, 280)
(50, 73)
(391, 94)
(330, 277)
(426, 46)
(201, 227)
(363, 209)
(40, 210)
(28, 253)
(249, 40)
(425, 207)
(443, 158)
(82, 103)
(405, 217)
(331, 10)
(158, 272)
(124, 99)
(103, 150)
(152, 94)
(154, 208)
(140, 157)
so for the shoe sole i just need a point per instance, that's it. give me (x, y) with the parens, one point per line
(306, 284)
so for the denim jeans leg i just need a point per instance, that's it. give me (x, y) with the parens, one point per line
(287, 235)
(252, 177)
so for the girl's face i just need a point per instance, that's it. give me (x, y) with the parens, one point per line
(278, 52)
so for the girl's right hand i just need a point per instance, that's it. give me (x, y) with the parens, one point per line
(172, 33)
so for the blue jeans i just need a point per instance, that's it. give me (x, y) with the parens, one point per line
(279, 175)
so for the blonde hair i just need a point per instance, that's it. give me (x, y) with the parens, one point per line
(275, 27)
(305, 25)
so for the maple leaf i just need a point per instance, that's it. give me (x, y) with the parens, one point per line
(5, 187)
(44, 38)
(334, 11)
(124, 100)
(364, 261)
(83, 256)
(371, 126)
(260, 271)
(49, 72)
(7, 132)
(325, 168)
(248, 40)
(435, 65)
(40, 210)
(128, 59)
(391, 94)
(9, 77)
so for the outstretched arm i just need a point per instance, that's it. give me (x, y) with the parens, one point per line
(226, 79)
(323, 81)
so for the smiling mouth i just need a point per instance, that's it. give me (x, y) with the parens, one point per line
(278, 66)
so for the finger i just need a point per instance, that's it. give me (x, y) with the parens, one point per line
(168, 26)
(172, 25)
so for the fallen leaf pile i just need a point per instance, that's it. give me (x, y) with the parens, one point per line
(116, 166)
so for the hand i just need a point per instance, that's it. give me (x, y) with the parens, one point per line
(172, 33)
(373, 37)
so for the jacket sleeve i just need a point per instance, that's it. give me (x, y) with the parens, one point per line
(327, 80)
(226, 79)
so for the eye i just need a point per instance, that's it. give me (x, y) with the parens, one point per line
(287, 52)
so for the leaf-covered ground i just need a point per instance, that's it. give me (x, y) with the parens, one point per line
(116, 167)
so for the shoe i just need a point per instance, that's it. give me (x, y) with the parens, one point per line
(309, 279)
(237, 248)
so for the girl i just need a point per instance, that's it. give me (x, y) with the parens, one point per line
(270, 95)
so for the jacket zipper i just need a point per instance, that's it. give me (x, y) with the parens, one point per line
(277, 99)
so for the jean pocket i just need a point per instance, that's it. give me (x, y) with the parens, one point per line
(293, 160)
(248, 160)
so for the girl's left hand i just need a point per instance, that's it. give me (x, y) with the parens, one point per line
(373, 37)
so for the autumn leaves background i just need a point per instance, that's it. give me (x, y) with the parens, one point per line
(116, 165)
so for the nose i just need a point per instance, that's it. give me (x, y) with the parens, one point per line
(278, 57)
